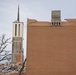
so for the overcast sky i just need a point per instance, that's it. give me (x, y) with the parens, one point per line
(34, 9)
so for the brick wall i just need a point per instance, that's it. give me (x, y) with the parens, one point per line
(51, 50)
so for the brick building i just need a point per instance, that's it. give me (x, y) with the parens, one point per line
(51, 46)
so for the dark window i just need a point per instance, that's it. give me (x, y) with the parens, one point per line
(52, 23)
(59, 23)
(15, 29)
(55, 23)
(19, 30)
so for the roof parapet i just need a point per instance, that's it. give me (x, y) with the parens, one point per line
(71, 20)
(29, 21)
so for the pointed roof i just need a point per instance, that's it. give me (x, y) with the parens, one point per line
(18, 17)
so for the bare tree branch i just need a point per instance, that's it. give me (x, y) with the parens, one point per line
(5, 57)
(3, 48)
(22, 67)
(3, 44)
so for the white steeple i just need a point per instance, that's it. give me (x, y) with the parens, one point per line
(18, 26)
(17, 37)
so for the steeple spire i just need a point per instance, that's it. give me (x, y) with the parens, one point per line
(18, 17)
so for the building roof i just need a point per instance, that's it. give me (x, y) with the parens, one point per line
(67, 22)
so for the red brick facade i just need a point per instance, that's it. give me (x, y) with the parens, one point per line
(51, 50)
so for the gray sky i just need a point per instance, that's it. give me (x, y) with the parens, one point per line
(34, 9)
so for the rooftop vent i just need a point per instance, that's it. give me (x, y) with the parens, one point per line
(56, 17)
